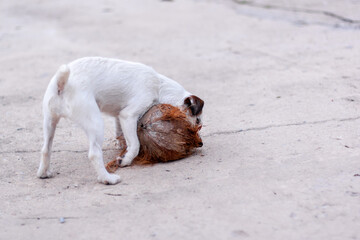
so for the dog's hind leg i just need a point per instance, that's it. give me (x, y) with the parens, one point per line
(49, 127)
(52, 106)
(92, 123)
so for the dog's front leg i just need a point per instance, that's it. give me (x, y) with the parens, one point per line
(129, 127)
(118, 130)
(118, 133)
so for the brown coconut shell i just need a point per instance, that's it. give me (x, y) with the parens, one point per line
(165, 134)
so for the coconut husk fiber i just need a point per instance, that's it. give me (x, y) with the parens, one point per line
(165, 134)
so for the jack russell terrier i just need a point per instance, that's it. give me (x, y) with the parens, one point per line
(84, 88)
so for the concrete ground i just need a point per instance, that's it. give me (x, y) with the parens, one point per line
(280, 160)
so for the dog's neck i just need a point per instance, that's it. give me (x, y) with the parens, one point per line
(171, 92)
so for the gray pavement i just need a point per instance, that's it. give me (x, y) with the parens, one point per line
(280, 160)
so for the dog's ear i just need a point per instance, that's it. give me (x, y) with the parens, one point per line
(195, 104)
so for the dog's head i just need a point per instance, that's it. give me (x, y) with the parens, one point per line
(194, 105)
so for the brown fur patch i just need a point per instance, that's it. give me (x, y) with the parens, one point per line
(195, 104)
(165, 134)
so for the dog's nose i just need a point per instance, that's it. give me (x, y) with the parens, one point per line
(200, 144)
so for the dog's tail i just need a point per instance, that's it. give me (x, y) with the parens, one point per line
(62, 76)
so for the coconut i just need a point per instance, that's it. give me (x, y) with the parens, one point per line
(165, 134)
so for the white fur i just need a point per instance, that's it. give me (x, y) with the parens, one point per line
(88, 86)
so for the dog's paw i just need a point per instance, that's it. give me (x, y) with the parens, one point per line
(44, 174)
(125, 163)
(109, 179)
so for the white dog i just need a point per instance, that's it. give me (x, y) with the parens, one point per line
(88, 86)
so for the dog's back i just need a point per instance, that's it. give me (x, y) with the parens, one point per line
(114, 84)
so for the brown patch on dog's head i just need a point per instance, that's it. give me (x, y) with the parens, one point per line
(195, 104)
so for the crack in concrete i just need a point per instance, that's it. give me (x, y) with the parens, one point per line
(229, 132)
(304, 10)
(39, 218)
(281, 125)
